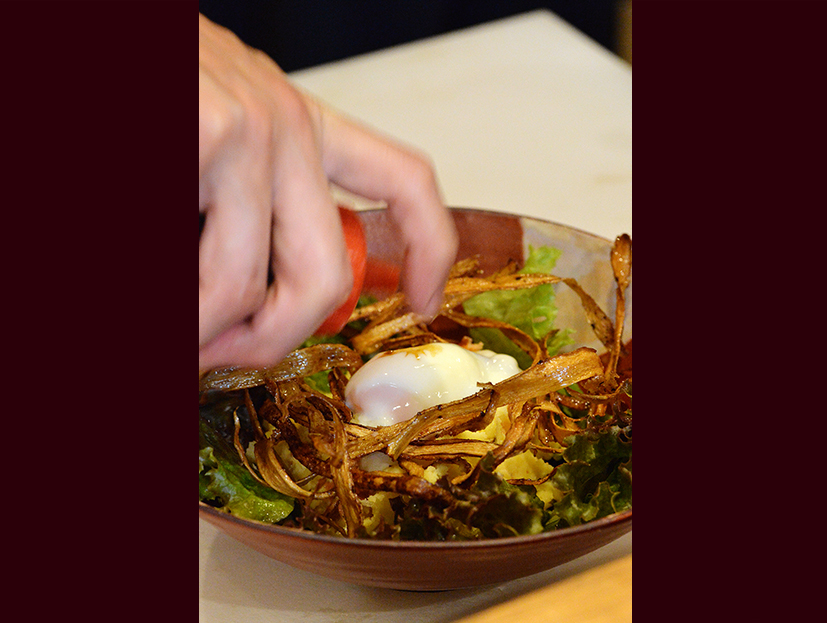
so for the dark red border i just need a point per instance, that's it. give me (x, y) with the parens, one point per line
(99, 128)
(729, 133)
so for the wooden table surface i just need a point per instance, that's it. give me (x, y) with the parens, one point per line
(602, 594)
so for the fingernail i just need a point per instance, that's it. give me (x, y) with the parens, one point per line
(434, 305)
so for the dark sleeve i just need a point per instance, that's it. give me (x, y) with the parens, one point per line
(303, 33)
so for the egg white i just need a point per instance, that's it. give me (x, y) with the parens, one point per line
(396, 385)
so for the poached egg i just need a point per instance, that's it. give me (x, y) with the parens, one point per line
(396, 385)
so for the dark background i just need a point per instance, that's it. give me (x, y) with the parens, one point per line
(303, 33)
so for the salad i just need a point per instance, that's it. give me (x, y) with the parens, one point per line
(545, 445)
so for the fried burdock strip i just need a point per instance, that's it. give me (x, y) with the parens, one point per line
(367, 483)
(553, 425)
(342, 468)
(269, 466)
(297, 364)
(515, 441)
(524, 341)
(305, 453)
(621, 260)
(446, 449)
(457, 291)
(544, 377)
(371, 339)
(599, 321)
(389, 318)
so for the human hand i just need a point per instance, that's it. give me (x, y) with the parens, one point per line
(267, 153)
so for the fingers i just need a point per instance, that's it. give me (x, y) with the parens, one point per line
(267, 205)
(376, 168)
(312, 279)
(266, 153)
(236, 189)
(310, 264)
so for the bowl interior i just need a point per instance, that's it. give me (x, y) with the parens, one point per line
(496, 238)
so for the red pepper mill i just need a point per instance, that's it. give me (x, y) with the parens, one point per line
(367, 272)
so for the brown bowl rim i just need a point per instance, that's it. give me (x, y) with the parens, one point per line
(593, 526)
(517, 215)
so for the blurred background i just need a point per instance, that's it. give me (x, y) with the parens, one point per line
(303, 33)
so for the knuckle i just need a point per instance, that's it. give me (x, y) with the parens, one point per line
(320, 272)
(251, 294)
(244, 117)
(421, 171)
(257, 122)
(239, 298)
(219, 121)
(292, 106)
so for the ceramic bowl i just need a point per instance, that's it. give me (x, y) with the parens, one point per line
(428, 566)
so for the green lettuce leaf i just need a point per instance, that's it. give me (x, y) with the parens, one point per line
(498, 508)
(224, 482)
(491, 508)
(533, 311)
(596, 477)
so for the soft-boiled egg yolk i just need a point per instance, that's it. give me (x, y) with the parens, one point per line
(396, 385)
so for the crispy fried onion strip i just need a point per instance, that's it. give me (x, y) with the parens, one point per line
(298, 364)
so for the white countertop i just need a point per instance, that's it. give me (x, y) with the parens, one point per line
(524, 115)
